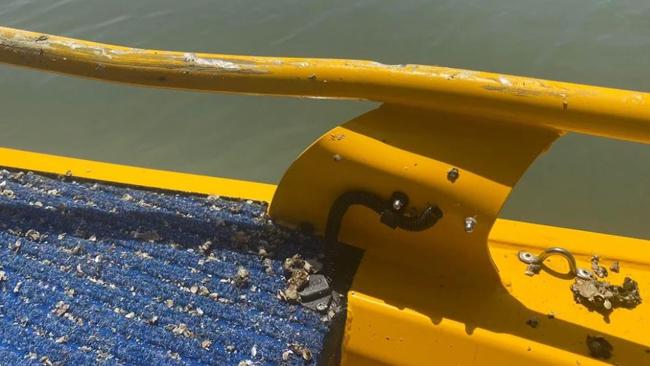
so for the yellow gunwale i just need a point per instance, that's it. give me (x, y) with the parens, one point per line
(136, 176)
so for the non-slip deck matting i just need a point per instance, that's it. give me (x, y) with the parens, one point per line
(93, 273)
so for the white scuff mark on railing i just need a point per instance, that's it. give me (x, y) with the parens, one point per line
(400, 68)
(99, 51)
(210, 62)
(19, 42)
(387, 66)
(467, 75)
(504, 81)
(71, 45)
(128, 51)
(44, 42)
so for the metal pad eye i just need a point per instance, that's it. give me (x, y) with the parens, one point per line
(574, 271)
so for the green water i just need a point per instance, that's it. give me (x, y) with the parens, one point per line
(583, 182)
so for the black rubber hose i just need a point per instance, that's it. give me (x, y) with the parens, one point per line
(340, 207)
(344, 259)
(423, 221)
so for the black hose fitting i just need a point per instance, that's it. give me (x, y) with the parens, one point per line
(391, 212)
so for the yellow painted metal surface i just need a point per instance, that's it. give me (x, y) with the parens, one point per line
(444, 296)
(410, 150)
(563, 106)
(136, 176)
(449, 326)
(441, 296)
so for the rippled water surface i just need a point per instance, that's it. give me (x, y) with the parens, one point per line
(583, 182)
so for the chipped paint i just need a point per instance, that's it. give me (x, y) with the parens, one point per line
(210, 62)
(504, 81)
(384, 66)
(522, 91)
(97, 50)
(466, 75)
(222, 65)
(127, 51)
(44, 42)
(19, 42)
(69, 44)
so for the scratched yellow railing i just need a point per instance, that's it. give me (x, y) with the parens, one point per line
(563, 106)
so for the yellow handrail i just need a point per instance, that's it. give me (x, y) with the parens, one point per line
(563, 106)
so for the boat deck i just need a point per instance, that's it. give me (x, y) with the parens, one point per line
(101, 273)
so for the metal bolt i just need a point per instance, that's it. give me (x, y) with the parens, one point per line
(453, 174)
(584, 274)
(398, 204)
(337, 157)
(321, 306)
(527, 257)
(470, 224)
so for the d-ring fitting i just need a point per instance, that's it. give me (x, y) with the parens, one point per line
(574, 271)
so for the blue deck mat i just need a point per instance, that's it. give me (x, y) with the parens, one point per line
(94, 273)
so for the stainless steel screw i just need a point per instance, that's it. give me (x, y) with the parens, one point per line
(398, 204)
(470, 224)
(321, 306)
(453, 174)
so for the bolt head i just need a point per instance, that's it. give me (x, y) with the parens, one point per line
(453, 174)
(470, 224)
(398, 204)
(584, 274)
(321, 306)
